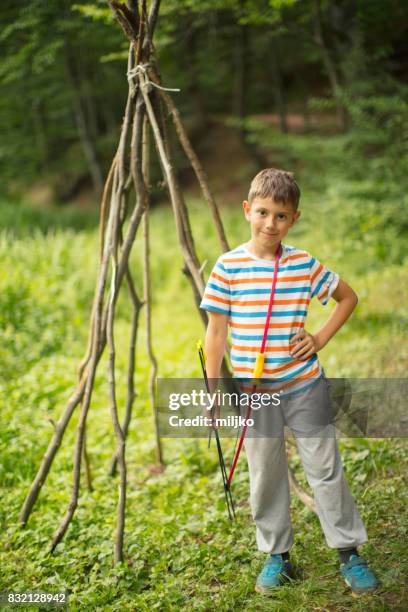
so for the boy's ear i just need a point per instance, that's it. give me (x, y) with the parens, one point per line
(247, 207)
(296, 216)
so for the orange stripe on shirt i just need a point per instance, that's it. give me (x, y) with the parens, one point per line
(255, 349)
(293, 257)
(266, 302)
(284, 279)
(322, 295)
(247, 259)
(218, 277)
(286, 385)
(315, 274)
(237, 260)
(285, 366)
(210, 296)
(303, 377)
(298, 256)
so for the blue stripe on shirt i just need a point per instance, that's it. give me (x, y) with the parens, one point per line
(213, 308)
(268, 291)
(265, 268)
(299, 313)
(218, 288)
(320, 284)
(299, 371)
(269, 337)
(220, 265)
(267, 359)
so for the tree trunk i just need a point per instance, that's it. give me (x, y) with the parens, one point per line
(329, 65)
(240, 101)
(40, 133)
(277, 86)
(90, 108)
(84, 132)
(194, 88)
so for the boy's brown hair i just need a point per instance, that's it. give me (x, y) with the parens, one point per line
(276, 184)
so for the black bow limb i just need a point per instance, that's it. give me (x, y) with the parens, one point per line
(227, 489)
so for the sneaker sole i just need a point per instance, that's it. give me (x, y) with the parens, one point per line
(271, 590)
(357, 594)
(267, 591)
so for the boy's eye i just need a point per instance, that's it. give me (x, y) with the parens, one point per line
(281, 216)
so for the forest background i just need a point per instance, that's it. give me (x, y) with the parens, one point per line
(317, 87)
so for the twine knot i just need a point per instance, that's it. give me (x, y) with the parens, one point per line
(142, 69)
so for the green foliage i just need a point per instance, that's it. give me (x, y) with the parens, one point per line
(37, 95)
(230, 55)
(98, 11)
(380, 130)
(365, 195)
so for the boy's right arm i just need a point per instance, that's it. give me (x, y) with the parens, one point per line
(215, 344)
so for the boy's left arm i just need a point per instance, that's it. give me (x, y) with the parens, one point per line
(308, 344)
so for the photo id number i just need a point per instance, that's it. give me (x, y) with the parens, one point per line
(32, 597)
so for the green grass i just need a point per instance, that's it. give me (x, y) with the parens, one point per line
(181, 551)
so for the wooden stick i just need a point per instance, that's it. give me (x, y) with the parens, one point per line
(131, 395)
(118, 158)
(87, 465)
(51, 451)
(147, 291)
(173, 189)
(110, 231)
(186, 228)
(120, 439)
(183, 212)
(195, 162)
(102, 222)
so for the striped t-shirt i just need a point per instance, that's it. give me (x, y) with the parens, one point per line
(239, 286)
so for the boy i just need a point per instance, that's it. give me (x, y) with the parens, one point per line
(237, 294)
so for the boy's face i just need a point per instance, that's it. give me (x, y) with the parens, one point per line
(270, 221)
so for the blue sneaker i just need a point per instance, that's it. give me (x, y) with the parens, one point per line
(274, 573)
(358, 576)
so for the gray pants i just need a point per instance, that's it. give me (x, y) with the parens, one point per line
(320, 456)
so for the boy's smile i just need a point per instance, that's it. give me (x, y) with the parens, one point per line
(270, 222)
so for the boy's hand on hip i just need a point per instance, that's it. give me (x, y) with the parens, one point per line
(303, 345)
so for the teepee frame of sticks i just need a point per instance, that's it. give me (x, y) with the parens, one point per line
(146, 114)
